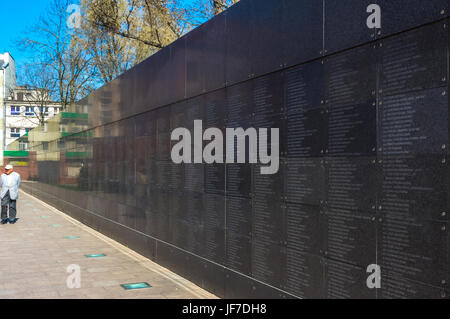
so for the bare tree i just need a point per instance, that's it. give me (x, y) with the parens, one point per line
(41, 91)
(112, 54)
(199, 11)
(51, 42)
(114, 36)
(221, 5)
(121, 33)
(155, 23)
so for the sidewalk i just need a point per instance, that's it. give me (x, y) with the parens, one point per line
(35, 254)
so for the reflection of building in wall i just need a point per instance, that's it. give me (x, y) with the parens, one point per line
(24, 163)
(25, 110)
(60, 147)
(364, 178)
(7, 84)
(73, 147)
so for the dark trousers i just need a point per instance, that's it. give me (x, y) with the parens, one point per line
(7, 201)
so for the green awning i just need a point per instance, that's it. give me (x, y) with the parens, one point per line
(80, 134)
(67, 115)
(76, 154)
(15, 154)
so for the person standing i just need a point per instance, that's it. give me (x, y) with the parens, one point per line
(10, 183)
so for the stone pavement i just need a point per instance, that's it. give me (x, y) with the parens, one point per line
(34, 256)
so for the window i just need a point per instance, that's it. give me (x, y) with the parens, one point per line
(45, 146)
(29, 110)
(23, 146)
(15, 132)
(44, 110)
(19, 96)
(15, 110)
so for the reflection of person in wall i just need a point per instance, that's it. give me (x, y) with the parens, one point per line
(10, 183)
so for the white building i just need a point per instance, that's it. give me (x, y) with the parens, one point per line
(8, 82)
(20, 107)
(25, 111)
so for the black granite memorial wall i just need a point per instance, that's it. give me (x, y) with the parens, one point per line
(363, 117)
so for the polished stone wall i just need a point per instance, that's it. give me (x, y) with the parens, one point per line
(363, 117)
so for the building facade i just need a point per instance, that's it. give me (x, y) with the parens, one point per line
(22, 108)
(25, 111)
(8, 82)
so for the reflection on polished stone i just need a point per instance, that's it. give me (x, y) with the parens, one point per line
(363, 153)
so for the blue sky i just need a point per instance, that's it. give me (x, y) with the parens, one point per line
(18, 16)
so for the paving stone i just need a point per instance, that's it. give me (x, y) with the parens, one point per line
(34, 259)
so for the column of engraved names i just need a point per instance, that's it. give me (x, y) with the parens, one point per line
(304, 179)
(238, 185)
(268, 190)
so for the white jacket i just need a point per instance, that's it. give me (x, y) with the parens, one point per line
(14, 189)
